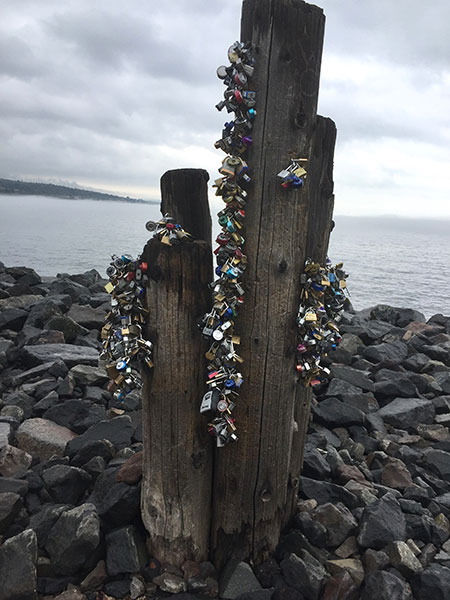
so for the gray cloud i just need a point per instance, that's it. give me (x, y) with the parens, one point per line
(111, 94)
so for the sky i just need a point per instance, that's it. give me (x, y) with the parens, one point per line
(111, 94)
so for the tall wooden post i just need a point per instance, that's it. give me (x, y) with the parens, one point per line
(176, 494)
(256, 479)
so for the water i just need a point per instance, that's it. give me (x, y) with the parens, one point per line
(397, 261)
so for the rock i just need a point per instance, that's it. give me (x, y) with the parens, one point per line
(116, 589)
(95, 579)
(43, 520)
(396, 475)
(403, 559)
(67, 326)
(305, 574)
(125, 551)
(46, 337)
(73, 538)
(16, 486)
(313, 530)
(36, 372)
(18, 558)
(173, 584)
(439, 462)
(382, 585)
(347, 548)
(10, 507)
(76, 291)
(315, 465)
(337, 519)
(73, 594)
(97, 448)
(13, 461)
(6, 434)
(43, 437)
(88, 278)
(84, 375)
(394, 386)
(131, 471)
(117, 430)
(335, 413)
(117, 503)
(353, 376)
(394, 352)
(66, 484)
(91, 318)
(443, 379)
(432, 584)
(323, 492)
(137, 587)
(407, 412)
(434, 433)
(77, 414)
(338, 388)
(12, 318)
(70, 354)
(364, 402)
(381, 523)
(353, 566)
(43, 310)
(237, 578)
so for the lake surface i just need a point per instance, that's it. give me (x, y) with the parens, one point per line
(397, 261)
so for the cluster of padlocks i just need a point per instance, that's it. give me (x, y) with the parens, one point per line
(223, 377)
(124, 347)
(321, 302)
(294, 175)
(167, 231)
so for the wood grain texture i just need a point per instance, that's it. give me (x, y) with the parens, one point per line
(177, 473)
(256, 479)
(184, 195)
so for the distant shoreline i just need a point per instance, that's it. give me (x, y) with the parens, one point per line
(27, 188)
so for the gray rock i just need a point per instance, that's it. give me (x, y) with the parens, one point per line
(117, 503)
(364, 402)
(323, 491)
(432, 584)
(381, 523)
(315, 465)
(14, 462)
(67, 326)
(382, 585)
(171, 583)
(338, 520)
(237, 578)
(18, 558)
(338, 388)
(43, 437)
(12, 318)
(42, 311)
(353, 376)
(87, 278)
(36, 372)
(443, 379)
(335, 413)
(21, 399)
(16, 486)
(73, 538)
(66, 484)
(305, 574)
(10, 507)
(70, 354)
(403, 559)
(117, 430)
(407, 412)
(6, 434)
(394, 352)
(96, 448)
(91, 318)
(44, 519)
(439, 462)
(76, 291)
(84, 375)
(125, 551)
(77, 414)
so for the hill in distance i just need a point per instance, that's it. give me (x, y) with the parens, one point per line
(28, 188)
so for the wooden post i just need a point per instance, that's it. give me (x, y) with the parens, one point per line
(256, 479)
(176, 495)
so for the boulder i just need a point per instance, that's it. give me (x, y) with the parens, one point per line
(12, 318)
(117, 430)
(353, 376)
(396, 475)
(403, 559)
(337, 519)
(335, 413)
(73, 539)
(10, 507)
(42, 311)
(76, 291)
(84, 375)
(394, 352)
(6, 434)
(70, 354)
(125, 551)
(69, 328)
(77, 414)
(381, 523)
(43, 437)
(66, 484)
(131, 471)
(18, 558)
(117, 503)
(382, 585)
(305, 574)
(13, 461)
(407, 412)
(323, 492)
(43, 520)
(86, 316)
(433, 583)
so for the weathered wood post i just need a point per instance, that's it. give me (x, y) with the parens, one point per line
(256, 479)
(176, 496)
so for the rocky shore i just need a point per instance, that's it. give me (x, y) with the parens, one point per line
(374, 507)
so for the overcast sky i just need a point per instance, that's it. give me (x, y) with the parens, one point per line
(110, 94)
